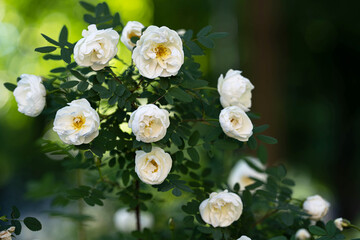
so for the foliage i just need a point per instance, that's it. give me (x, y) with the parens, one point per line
(194, 134)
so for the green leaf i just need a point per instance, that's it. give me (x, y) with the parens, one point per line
(194, 48)
(179, 94)
(87, 6)
(176, 192)
(89, 19)
(146, 147)
(217, 234)
(317, 230)
(278, 238)
(17, 225)
(78, 75)
(66, 55)
(204, 31)
(206, 42)
(63, 37)
(194, 155)
(330, 228)
(262, 153)
(82, 86)
(288, 182)
(267, 139)
(10, 86)
(15, 213)
(58, 70)
(69, 84)
(52, 57)
(216, 35)
(32, 224)
(126, 177)
(194, 138)
(261, 128)
(50, 40)
(47, 49)
(252, 143)
(116, 20)
(287, 218)
(194, 83)
(176, 139)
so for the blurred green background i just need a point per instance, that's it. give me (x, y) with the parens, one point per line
(301, 56)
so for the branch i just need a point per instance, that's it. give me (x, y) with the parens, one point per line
(137, 209)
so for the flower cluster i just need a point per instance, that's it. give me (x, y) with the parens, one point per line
(139, 132)
(235, 97)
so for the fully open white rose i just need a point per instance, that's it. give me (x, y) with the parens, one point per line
(96, 48)
(158, 52)
(302, 234)
(6, 234)
(149, 123)
(316, 207)
(243, 237)
(242, 173)
(30, 95)
(235, 90)
(131, 29)
(125, 221)
(153, 167)
(235, 123)
(77, 123)
(221, 209)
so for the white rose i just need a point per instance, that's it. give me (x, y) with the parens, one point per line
(235, 90)
(243, 237)
(96, 48)
(125, 221)
(159, 52)
(6, 234)
(340, 223)
(149, 123)
(153, 167)
(235, 123)
(316, 207)
(221, 209)
(30, 95)
(242, 173)
(302, 234)
(77, 123)
(132, 29)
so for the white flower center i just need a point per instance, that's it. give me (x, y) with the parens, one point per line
(78, 122)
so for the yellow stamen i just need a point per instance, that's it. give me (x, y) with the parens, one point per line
(78, 122)
(162, 51)
(155, 165)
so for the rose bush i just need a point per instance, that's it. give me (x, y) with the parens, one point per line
(131, 136)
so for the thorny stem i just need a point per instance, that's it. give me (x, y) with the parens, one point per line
(81, 229)
(265, 217)
(205, 88)
(138, 86)
(205, 121)
(114, 75)
(137, 209)
(159, 98)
